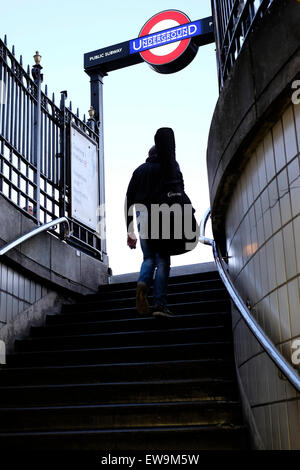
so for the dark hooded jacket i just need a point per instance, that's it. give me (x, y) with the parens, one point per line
(150, 179)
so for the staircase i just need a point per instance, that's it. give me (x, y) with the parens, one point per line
(101, 377)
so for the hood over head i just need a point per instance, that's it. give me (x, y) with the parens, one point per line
(165, 144)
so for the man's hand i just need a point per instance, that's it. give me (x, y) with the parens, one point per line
(131, 240)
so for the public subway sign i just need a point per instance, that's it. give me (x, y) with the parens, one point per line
(168, 42)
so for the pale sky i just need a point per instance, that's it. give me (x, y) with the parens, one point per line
(137, 100)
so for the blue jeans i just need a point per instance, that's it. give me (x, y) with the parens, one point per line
(161, 263)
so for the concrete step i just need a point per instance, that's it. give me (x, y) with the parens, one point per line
(128, 338)
(177, 288)
(119, 392)
(185, 308)
(164, 438)
(132, 324)
(115, 372)
(158, 352)
(173, 280)
(128, 302)
(115, 416)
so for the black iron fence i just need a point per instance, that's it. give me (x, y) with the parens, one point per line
(35, 149)
(234, 19)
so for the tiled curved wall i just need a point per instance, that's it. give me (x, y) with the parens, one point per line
(263, 245)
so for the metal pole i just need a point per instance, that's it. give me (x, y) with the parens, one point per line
(97, 104)
(38, 79)
(63, 155)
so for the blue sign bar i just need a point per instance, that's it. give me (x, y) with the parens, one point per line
(161, 38)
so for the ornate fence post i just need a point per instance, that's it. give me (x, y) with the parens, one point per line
(63, 155)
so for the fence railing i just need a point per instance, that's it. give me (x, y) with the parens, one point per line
(234, 19)
(41, 190)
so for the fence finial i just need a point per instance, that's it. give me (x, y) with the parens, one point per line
(91, 112)
(37, 57)
(5, 39)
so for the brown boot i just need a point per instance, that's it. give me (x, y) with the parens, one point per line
(142, 304)
(162, 311)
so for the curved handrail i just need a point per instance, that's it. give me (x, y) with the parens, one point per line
(34, 232)
(287, 370)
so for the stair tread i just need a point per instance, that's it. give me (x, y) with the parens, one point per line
(115, 364)
(120, 321)
(125, 333)
(171, 404)
(120, 383)
(170, 306)
(191, 428)
(59, 351)
(170, 295)
(182, 285)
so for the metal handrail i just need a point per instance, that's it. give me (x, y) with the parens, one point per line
(36, 231)
(282, 364)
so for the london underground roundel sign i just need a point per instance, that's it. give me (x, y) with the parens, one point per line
(165, 41)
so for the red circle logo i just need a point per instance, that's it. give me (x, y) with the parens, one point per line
(160, 22)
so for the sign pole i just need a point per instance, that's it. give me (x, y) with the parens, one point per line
(97, 103)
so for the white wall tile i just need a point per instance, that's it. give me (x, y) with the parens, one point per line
(289, 251)
(9, 307)
(279, 152)
(293, 170)
(269, 436)
(283, 307)
(279, 258)
(262, 175)
(269, 156)
(294, 424)
(275, 427)
(3, 307)
(295, 197)
(32, 292)
(4, 278)
(274, 318)
(15, 289)
(271, 264)
(284, 196)
(9, 280)
(294, 306)
(289, 134)
(283, 426)
(296, 225)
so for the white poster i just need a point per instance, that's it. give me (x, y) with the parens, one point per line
(84, 179)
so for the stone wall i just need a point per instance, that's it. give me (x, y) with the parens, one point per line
(43, 267)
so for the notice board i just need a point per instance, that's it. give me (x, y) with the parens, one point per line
(84, 178)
